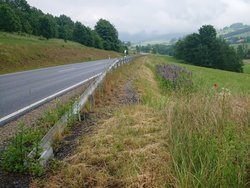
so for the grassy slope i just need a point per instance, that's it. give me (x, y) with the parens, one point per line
(170, 139)
(18, 53)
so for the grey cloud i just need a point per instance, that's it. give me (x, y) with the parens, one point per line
(151, 16)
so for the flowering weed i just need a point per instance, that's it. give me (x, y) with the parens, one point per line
(174, 77)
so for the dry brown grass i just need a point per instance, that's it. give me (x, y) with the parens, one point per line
(126, 151)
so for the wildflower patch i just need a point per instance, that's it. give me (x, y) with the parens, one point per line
(173, 76)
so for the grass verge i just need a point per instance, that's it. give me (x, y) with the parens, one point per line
(198, 138)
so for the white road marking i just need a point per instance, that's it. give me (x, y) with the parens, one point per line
(16, 113)
(67, 70)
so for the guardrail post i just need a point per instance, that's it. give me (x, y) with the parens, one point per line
(91, 101)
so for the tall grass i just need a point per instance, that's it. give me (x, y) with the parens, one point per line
(209, 137)
(209, 141)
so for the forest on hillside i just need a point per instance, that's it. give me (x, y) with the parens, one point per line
(19, 16)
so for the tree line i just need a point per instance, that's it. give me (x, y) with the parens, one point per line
(205, 49)
(156, 49)
(19, 16)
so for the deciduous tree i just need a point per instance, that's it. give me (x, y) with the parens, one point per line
(9, 21)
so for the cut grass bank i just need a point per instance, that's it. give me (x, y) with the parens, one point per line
(195, 138)
(19, 53)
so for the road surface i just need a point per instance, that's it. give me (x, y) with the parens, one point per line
(21, 90)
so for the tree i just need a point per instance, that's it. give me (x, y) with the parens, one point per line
(240, 51)
(210, 47)
(20, 5)
(205, 49)
(243, 51)
(230, 58)
(22, 10)
(108, 33)
(47, 26)
(97, 40)
(80, 33)
(65, 27)
(207, 34)
(9, 21)
(34, 16)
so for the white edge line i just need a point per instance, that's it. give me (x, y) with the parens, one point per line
(45, 99)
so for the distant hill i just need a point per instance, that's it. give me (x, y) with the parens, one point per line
(237, 33)
(143, 38)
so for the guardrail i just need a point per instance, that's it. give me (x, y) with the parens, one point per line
(47, 140)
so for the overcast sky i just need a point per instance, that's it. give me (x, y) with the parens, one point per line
(151, 16)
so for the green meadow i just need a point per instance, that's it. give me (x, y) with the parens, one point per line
(205, 78)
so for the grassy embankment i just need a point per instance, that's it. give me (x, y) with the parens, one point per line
(196, 138)
(18, 53)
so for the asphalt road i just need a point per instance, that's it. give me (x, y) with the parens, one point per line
(19, 90)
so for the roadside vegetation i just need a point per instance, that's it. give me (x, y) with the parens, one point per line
(193, 134)
(25, 52)
(15, 157)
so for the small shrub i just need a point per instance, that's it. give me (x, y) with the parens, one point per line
(15, 157)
